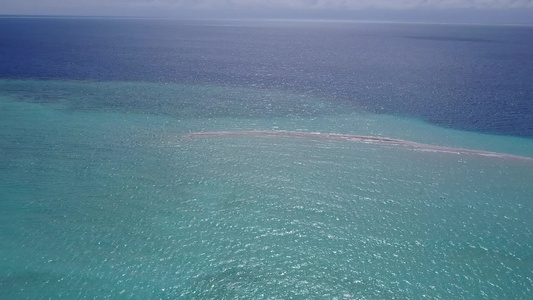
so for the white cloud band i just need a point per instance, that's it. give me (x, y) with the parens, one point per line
(341, 4)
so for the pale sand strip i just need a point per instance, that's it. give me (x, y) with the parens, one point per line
(358, 138)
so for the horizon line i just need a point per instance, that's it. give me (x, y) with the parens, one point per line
(256, 19)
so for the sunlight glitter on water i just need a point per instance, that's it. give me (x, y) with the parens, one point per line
(109, 203)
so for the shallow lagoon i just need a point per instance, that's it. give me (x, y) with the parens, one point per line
(101, 200)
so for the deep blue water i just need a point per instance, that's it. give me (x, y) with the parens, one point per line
(460, 76)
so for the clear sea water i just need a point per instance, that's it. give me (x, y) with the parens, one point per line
(105, 195)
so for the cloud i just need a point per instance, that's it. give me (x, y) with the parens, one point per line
(339, 4)
(284, 4)
(263, 8)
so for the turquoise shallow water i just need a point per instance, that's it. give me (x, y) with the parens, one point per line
(103, 195)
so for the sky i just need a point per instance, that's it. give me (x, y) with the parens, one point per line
(469, 11)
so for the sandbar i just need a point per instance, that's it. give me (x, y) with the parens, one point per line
(358, 138)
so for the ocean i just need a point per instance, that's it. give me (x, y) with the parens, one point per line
(173, 159)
